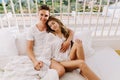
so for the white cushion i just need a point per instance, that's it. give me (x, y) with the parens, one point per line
(7, 43)
(86, 38)
(8, 47)
(21, 43)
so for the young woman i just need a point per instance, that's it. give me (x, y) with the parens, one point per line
(75, 60)
(36, 44)
(65, 35)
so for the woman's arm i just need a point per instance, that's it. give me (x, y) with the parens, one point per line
(66, 44)
(37, 64)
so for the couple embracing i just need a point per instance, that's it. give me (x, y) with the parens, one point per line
(50, 48)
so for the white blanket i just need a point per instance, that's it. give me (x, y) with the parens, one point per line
(21, 68)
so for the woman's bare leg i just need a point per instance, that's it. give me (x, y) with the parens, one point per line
(73, 51)
(77, 51)
(80, 64)
(58, 67)
(80, 51)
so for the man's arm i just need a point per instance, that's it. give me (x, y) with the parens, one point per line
(37, 64)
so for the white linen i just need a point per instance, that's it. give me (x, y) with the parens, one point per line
(7, 43)
(1, 73)
(4, 60)
(21, 43)
(22, 67)
(105, 63)
(51, 75)
(74, 75)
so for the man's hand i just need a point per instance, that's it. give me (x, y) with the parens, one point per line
(38, 65)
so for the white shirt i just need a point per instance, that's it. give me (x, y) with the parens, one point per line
(42, 43)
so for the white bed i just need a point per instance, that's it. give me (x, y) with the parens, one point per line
(104, 61)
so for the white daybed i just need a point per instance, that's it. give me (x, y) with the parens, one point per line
(104, 61)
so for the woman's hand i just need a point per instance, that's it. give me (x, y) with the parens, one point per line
(38, 65)
(65, 45)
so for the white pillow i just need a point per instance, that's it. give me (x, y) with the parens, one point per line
(86, 38)
(7, 43)
(21, 43)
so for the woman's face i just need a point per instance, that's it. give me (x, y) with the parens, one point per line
(44, 15)
(53, 25)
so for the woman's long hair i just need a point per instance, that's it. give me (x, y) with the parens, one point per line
(64, 30)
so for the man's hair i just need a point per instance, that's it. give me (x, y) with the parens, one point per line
(44, 7)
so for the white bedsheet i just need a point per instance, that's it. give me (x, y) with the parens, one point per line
(22, 67)
(1, 74)
(105, 63)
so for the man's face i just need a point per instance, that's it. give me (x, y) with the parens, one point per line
(44, 15)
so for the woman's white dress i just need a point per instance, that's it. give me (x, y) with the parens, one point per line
(57, 54)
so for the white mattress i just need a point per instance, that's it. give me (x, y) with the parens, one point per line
(105, 63)
(1, 73)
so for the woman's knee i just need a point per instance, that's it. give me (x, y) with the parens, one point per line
(78, 43)
(61, 71)
(82, 64)
(58, 67)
